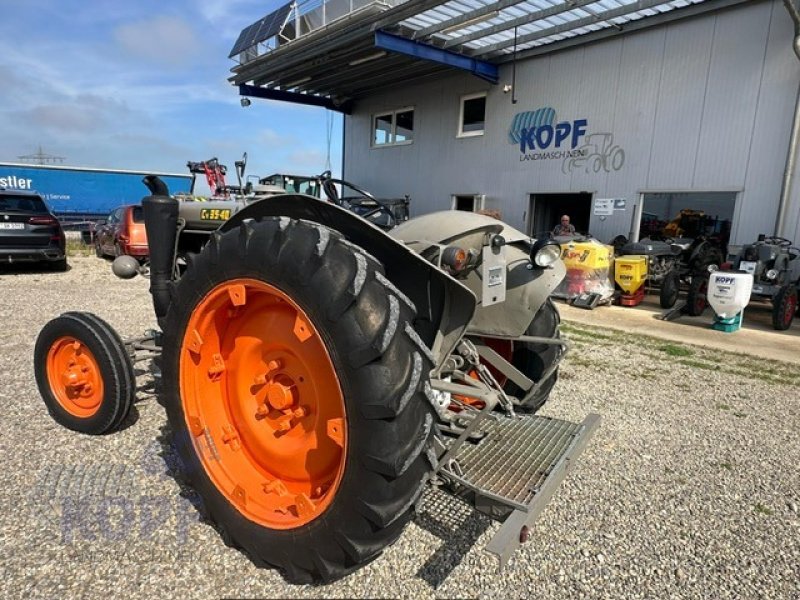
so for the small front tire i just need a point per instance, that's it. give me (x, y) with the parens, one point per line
(534, 360)
(84, 374)
(696, 298)
(670, 288)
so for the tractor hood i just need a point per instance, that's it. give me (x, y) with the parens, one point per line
(449, 225)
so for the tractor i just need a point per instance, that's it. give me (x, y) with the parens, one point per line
(770, 261)
(318, 372)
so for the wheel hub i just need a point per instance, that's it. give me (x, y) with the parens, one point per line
(280, 395)
(74, 377)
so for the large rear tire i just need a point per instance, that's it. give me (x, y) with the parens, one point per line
(533, 360)
(294, 384)
(84, 374)
(784, 307)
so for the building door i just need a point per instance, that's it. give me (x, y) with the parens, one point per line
(546, 210)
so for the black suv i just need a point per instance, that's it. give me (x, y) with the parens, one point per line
(29, 232)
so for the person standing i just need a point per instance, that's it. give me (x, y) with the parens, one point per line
(564, 227)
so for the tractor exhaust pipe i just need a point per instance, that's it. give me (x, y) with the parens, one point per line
(161, 224)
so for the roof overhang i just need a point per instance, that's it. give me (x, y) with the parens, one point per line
(332, 58)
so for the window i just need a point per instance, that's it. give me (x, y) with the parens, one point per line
(393, 128)
(468, 202)
(472, 116)
(22, 203)
(688, 214)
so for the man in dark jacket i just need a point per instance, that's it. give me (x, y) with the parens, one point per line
(564, 227)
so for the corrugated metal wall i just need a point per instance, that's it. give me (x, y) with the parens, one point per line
(702, 104)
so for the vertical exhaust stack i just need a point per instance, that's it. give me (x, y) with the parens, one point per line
(161, 223)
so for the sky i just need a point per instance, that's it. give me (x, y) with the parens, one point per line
(142, 85)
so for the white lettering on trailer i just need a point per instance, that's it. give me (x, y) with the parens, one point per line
(12, 181)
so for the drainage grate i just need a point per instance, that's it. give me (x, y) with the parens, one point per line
(516, 456)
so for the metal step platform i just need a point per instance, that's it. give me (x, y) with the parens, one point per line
(515, 469)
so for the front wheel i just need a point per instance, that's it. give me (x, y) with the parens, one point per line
(534, 360)
(294, 384)
(84, 374)
(784, 307)
(696, 297)
(670, 288)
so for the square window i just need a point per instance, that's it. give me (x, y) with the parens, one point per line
(404, 126)
(382, 130)
(472, 120)
(393, 128)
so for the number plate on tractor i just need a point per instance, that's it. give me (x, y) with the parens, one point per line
(215, 214)
(493, 275)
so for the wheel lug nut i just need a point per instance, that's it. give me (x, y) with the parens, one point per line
(272, 365)
(300, 412)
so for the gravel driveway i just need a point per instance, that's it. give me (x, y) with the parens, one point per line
(689, 489)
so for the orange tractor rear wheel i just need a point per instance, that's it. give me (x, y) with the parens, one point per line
(294, 385)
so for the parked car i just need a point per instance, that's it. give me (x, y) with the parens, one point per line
(122, 233)
(29, 232)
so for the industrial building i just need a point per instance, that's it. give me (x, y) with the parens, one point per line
(619, 113)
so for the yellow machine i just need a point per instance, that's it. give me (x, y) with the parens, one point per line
(630, 273)
(589, 266)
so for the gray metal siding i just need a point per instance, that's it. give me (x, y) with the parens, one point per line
(700, 104)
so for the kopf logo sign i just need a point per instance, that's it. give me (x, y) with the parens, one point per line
(540, 136)
(535, 130)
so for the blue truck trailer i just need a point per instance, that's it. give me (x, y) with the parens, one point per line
(80, 194)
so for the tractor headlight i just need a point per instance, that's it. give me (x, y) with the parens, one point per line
(772, 274)
(545, 252)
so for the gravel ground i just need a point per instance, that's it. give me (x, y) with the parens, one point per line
(689, 489)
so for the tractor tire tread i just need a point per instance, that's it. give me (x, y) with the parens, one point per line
(390, 421)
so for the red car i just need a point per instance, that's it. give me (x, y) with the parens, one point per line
(122, 233)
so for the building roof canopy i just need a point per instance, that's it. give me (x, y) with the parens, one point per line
(335, 50)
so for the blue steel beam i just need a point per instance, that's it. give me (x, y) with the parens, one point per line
(394, 43)
(294, 97)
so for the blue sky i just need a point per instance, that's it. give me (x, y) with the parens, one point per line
(143, 85)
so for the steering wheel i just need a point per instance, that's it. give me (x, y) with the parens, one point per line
(329, 187)
(778, 241)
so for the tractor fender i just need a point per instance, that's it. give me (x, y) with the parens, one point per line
(445, 307)
(527, 286)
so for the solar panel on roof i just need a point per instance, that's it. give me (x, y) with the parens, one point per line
(261, 30)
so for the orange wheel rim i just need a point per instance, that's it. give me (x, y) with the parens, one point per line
(74, 377)
(263, 403)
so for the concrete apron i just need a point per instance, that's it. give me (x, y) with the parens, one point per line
(756, 338)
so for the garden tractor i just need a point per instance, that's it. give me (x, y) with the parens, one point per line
(769, 261)
(318, 372)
